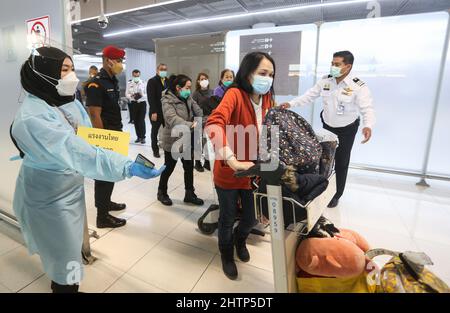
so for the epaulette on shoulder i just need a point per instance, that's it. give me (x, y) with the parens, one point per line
(359, 82)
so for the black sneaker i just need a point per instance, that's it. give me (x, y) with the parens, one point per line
(117, 206)
(143, 140)
(164, 199)
(156, 154)
(109, 221)
(198, 166)
(333, 203)
(207, 165)
(229, 266)
(137, 140)
(191, 197)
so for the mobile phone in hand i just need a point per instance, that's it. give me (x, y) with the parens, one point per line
(140, 159)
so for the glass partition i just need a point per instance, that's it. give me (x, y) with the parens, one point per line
(399, 59)
(439, 162)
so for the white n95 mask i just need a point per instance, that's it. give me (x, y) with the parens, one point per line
(204, 83)
(67, 86)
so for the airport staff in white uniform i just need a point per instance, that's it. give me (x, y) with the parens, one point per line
(345, 97)
(135, 93)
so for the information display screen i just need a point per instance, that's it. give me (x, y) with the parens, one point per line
(285, 48)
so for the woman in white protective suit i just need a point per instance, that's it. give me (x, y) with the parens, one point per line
(49, 199)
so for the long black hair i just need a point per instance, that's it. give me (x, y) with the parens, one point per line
(248, 66)
(177, 80)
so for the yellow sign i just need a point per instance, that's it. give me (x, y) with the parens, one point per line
(107, 139)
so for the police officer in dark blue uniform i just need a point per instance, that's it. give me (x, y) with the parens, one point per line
(102, 98)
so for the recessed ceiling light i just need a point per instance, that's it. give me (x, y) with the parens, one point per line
(129, 10)
(239, 15)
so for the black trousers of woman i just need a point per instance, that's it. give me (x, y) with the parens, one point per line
(170, 163)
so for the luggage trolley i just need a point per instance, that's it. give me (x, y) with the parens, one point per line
(284, 241)
(208, 222)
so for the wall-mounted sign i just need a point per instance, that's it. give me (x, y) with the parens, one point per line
(38, 31)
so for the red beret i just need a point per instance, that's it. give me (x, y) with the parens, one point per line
(112, 52)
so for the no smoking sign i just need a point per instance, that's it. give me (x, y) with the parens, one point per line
(38, 30)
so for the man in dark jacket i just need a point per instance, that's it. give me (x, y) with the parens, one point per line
(155, 87)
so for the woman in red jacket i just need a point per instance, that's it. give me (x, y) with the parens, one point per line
(234, 128)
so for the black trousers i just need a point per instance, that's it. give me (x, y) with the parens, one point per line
(139, 111)
(228, 203)
(131, 111)
(170, 163)
(346, 137)
(103, 191)
(154, 134)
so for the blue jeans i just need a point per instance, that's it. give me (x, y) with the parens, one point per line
(228, 203)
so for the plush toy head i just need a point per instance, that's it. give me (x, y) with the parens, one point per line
(341, 256)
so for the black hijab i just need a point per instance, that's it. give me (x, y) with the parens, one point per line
(49, 62)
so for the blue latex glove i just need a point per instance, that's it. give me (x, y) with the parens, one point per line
(144, 172)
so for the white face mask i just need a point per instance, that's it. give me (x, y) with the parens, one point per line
(67, 85)
(204, 83)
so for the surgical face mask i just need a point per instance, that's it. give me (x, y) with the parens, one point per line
(66, 86)
(261, 84)
(163, 74)
(185, 93)
(204, 83)
(227, 83)
(335, 72)
(117, 68)
(136, 79)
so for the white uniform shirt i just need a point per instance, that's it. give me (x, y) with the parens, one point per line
(342, 103)
(133, 88)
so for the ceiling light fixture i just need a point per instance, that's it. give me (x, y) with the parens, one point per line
(129, 10)
(240, 15)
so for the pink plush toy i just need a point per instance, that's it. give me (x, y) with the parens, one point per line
(342, 256)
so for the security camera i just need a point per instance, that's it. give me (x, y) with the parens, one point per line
(102, 21)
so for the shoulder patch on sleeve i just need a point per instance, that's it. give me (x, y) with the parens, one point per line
(327, 76)
(359, 82)
(93, 85)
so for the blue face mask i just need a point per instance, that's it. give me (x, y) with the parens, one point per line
(163, 74)
(185, 93)
(227, 83)
(261, 84)
(335, 72)
(136, 79)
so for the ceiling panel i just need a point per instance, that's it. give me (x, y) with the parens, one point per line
(89, 37)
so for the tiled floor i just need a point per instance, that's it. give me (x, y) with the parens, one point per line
(161, 249)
